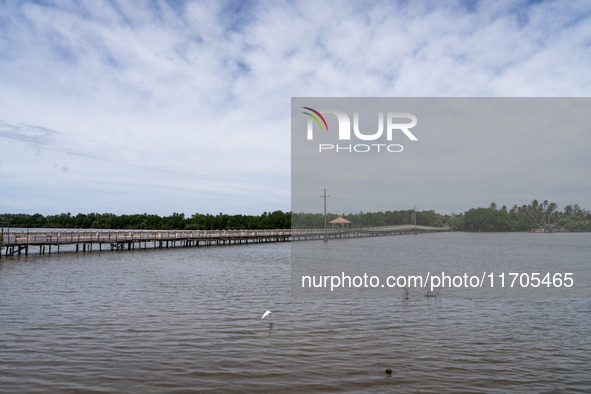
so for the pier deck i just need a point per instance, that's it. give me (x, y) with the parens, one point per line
(24, 242)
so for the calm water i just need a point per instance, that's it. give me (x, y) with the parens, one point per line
(190, 320)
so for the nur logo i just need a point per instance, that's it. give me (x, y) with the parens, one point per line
(316, 119)
(393, 123)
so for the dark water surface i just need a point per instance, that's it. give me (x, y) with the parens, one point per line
(182, 320)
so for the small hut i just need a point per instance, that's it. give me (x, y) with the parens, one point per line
(343, 222)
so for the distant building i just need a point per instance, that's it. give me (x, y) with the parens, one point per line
(343, 222)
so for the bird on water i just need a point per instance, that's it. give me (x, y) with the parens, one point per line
(267, 313)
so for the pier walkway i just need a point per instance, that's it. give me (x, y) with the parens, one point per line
(56, 241)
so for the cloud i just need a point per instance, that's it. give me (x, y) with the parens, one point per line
(34, 135)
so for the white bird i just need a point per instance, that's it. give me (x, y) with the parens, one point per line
(267, 313)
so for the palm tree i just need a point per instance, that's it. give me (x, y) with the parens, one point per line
(550, 209)
(537, 211)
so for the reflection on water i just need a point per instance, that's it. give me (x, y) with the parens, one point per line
(190, 319)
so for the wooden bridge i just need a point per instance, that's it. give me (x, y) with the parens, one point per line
(56, 241)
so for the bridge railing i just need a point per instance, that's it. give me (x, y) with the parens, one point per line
(116, 236)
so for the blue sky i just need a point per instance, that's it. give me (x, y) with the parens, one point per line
(161, 107)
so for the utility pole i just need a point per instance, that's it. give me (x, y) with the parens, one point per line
(414, 208)
(5, 223)
(2, 240)
(325, 228)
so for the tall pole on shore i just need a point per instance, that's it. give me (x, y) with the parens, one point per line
(325, 228)
(414, 208)
(5, 223)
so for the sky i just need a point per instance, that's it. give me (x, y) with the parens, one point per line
(161, 107)
(451, 153)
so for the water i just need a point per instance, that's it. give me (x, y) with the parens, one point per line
(468, 265)
(190, 320)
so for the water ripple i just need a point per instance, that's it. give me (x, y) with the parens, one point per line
(190, 320)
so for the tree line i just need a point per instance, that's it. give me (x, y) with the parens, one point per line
(526, 217)
(372, 219)
(518, 218)
(176, 221)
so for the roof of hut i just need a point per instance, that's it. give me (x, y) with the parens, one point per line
(339, 220)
